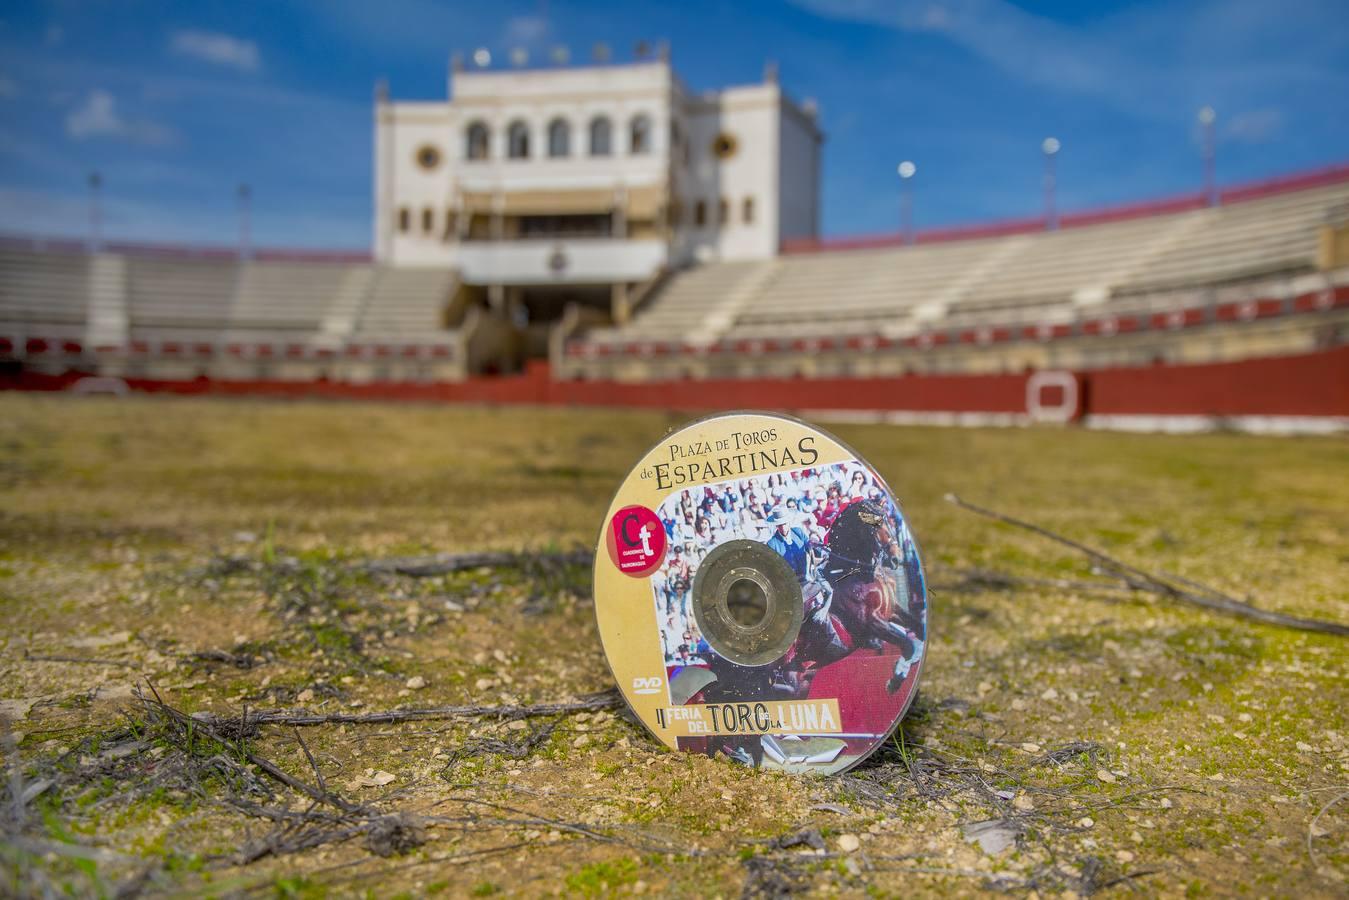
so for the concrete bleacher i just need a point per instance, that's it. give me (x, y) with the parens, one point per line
(1253, 238)
(281, 296)
(857, 291)
(685, 307)
(173, 296)
(406, 304)
(42, 288)
(1026, 278)
(188, 315)
(949, 299)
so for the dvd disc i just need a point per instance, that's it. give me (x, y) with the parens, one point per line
(760, 596)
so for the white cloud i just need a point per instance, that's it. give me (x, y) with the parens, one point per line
(98, 117)
(1157, 61)
(216, 48)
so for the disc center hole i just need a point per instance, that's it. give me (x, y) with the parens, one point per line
(746, 602)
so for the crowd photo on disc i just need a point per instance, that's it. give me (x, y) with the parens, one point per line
(865, 609)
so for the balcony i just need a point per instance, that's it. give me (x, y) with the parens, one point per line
(563, 261)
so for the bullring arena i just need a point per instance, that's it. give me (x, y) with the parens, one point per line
(295, 554)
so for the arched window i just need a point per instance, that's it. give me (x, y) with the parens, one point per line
(428, 220)
(404, 219)
(517, 140)
(723, 212)
(559, 138)
(700, 213)
(477, 141)
(639, 135)
(601, 136)
(747, 210)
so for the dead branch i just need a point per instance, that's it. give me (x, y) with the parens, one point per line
(1198, 595)
(83, 660)
(449, 563)
(240, 724)
(266, 765)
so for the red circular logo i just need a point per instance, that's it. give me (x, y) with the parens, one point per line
(636, 541)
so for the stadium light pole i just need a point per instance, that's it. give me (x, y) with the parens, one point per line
(1207, 117)
(906, 171)
(245, 196)
(95, 212)
(1050, 146)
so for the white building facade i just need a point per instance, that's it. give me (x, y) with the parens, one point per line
(595, 176)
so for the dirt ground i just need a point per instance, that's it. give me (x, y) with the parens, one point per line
(223, 557)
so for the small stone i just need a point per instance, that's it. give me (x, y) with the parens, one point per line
(727, 795)
(1105, 776)
(1086, 822)
(348, 679)
(416, 683)
(1164, 803)
(1023, 802)
(1030, 747)
(1018, 704)
(517, 725)
(848, 843)
(1124, 856)
(382, 778)
(1136, 837)
(1304, 747)
(1244, 717)
(1049, 694)
(304, 696)
(985, 687)
(484, 684)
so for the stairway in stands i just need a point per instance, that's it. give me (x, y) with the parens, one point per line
(346, 307)
(107, 323)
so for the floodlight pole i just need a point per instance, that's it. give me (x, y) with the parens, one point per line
(906, 172)
(245, 195)
(1050, 147)
(95, 212)
(1207, 118)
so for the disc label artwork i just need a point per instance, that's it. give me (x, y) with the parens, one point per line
(636, 541)
(783, 621)
(791, 717)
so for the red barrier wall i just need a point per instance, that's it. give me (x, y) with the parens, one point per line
(1314, 384)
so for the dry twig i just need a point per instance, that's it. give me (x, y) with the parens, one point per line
(448, 563)
(1191, 592)
(243, 724)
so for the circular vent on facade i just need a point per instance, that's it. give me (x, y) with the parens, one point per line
(724, 145)
(428, 157)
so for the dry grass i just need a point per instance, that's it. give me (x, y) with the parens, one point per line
(215, 549)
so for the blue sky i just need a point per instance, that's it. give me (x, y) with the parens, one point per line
(177, 103)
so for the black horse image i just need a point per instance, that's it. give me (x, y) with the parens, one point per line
(866, 601)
